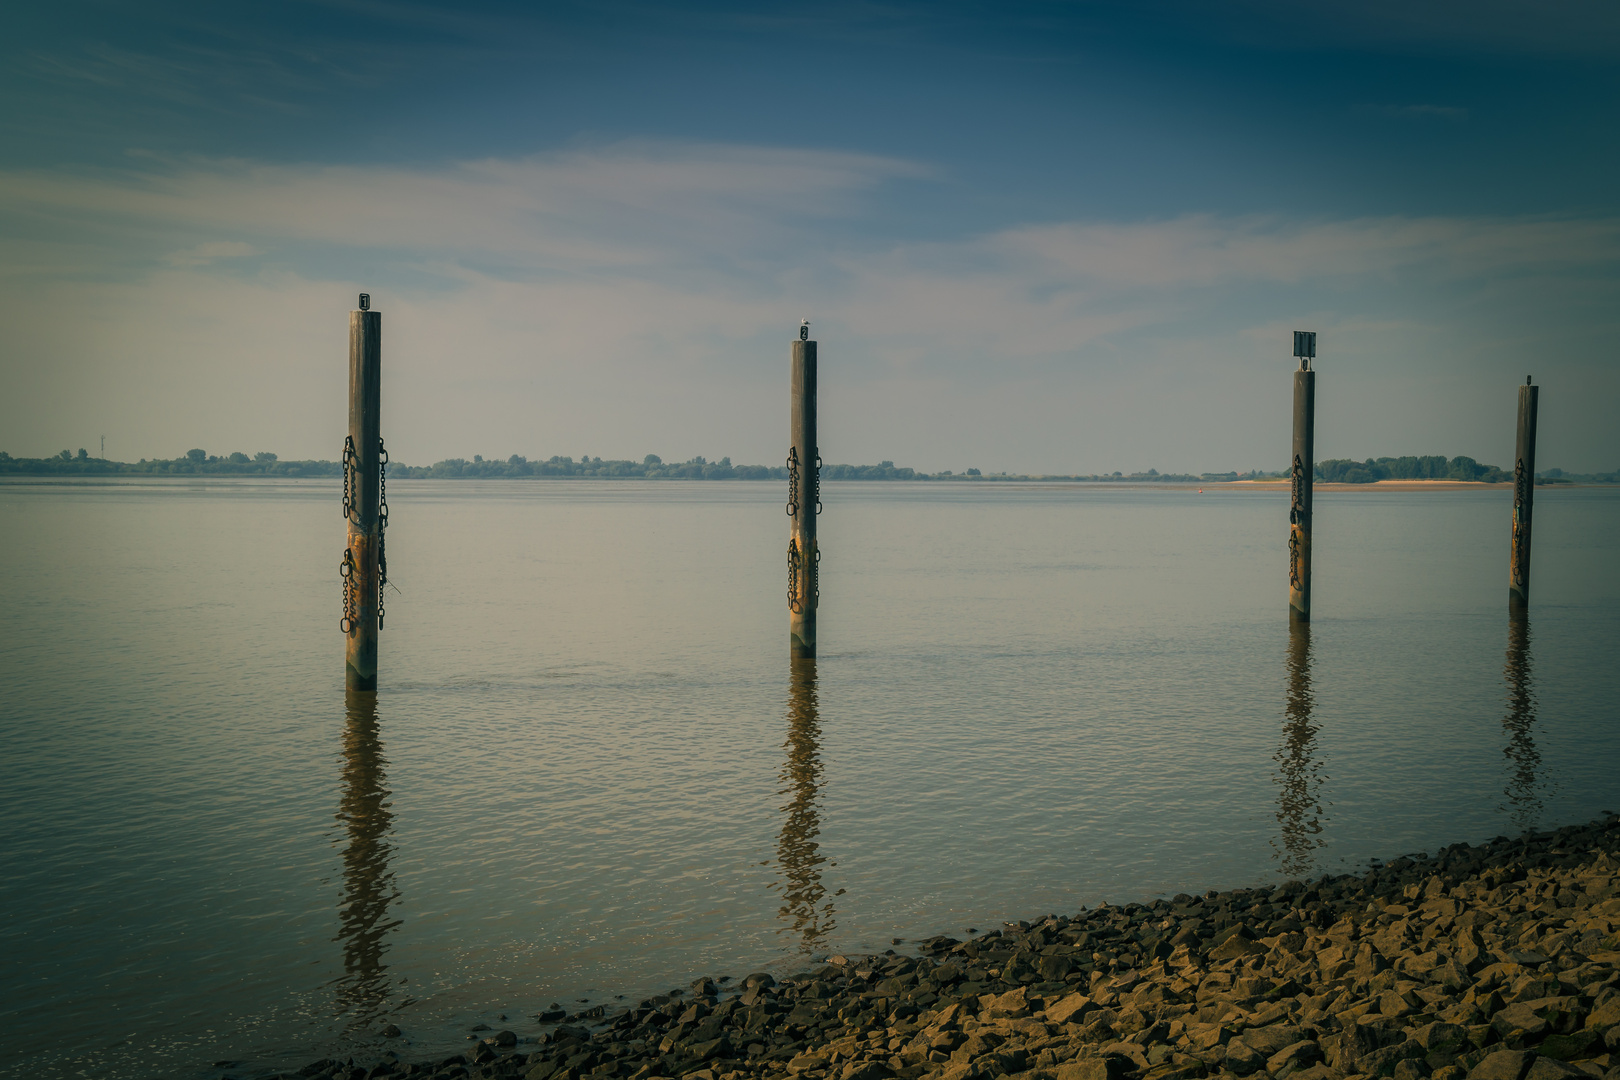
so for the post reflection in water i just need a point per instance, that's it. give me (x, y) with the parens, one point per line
(1299, 776)
(368, 885)
(1523, 759)
(806, 908)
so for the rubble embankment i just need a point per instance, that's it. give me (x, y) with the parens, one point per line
(1490, 962)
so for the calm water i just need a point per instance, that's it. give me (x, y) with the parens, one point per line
(592, 771)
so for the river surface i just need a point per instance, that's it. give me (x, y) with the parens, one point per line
(592, 771)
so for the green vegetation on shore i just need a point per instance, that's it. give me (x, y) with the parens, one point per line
(652, 467)
(517, 467)
(1430, 467)
(193, 462)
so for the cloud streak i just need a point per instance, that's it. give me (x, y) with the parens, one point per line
(634, 298)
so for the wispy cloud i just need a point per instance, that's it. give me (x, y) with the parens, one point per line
(205, 253)
(586, 208)
(626, 295)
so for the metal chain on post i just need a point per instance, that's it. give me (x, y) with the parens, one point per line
(818, 479)
(346, 568)
(1296, 516)
(382, 528)
(1297, 508)
(794, 563)
(1518, 523)
(348, 623)
(793, 481)
(815, 601)
(350, 479)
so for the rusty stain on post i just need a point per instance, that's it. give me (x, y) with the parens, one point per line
(1303, 467)
(1524, 494)
(363, 497)
(804, 491)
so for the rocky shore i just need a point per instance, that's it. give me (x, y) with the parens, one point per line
(1495, 962)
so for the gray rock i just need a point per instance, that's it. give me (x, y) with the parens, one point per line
(1110, 1067)
(1576, 1044)
(1297, 1056)
(1410, 1069)
(1243, 1059)
(865, 1070)
(1545, 1068)
(1272, 1039)
(1520, 1016)
(1503, 1065)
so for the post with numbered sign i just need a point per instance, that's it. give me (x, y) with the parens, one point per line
(1302, 470)
(1524, 494)
(804, 497)
(365, 502)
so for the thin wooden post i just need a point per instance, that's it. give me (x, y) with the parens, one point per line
(804, 497)
(1524, 495)
(362, 498)
(1303, 472)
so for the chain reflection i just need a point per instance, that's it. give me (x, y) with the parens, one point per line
(806, 907)
(1523, 759)
(368, 884)
(1299, 776)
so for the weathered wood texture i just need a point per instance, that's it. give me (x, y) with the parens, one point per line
(365, 429)
(802, 501)
(1524, 495)
(1299, 512)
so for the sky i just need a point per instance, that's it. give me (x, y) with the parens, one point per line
(1034, 237)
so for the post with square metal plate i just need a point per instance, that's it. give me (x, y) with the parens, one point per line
(1302, 471)
(804, 497)
(1524, 494)
(365, 502)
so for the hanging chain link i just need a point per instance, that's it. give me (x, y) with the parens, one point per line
(348, 569)
(382, 528)
(1296, 517)
(1296, 512)
(349, 623)
(351, 479)
(793, 481)
(796, 558)
(818, 479)
(1517, 560)
(794, 563)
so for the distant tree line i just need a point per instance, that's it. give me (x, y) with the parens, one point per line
(1437, 467)
(652, 467)
(191, 462)
(1430, 467)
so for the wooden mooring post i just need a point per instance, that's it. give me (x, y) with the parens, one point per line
(1303, 472)
(365, 507)
(804, 497)
(1524, 495)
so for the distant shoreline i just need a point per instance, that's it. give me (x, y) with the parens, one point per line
(1270, 486)
(1424, 473)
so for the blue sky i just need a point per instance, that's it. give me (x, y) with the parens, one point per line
(1033, 237)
